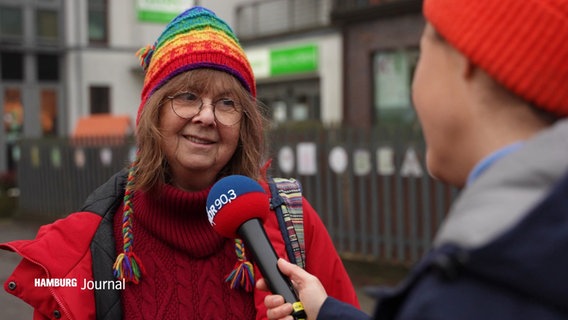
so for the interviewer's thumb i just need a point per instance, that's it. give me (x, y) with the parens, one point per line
(310, 290)
(286, 267)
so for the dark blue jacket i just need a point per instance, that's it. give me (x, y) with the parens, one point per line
(518, 272)
(521, 275)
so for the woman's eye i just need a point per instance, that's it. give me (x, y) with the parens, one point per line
(226, 103)
(188, 96)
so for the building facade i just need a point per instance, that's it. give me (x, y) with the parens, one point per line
(317, 62)
(381, 47)
(61, 60)
(31, 71)
(296, 54)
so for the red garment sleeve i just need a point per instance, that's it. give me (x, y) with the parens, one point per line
(323, 261)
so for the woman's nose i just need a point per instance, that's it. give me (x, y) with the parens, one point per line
(206, 114)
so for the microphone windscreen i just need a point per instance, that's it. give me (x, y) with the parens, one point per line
(232, 201)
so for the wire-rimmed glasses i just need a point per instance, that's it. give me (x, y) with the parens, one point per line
(187, 105)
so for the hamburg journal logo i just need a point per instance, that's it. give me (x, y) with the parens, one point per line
(82, 285)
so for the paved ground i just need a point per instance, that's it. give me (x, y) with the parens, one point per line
(362, 273)
(365, 274)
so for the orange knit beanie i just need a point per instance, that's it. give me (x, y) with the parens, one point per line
(523, 44)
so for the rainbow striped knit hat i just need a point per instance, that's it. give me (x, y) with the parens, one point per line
(195, 39)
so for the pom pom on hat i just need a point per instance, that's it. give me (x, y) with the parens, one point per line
(196, 38)
(520, 43)
(145, 55)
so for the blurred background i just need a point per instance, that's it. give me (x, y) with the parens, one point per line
(335, 76)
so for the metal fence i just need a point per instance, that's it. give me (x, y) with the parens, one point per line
(56, 175)
(370, 187)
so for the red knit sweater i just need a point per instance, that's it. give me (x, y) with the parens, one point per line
(186, 262)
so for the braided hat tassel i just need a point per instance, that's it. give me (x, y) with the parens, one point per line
(242, 275)
(127, 265)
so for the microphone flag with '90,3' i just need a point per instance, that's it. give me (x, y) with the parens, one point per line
(234, 200)
(236, 205)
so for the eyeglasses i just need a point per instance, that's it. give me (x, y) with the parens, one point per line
(187, 105)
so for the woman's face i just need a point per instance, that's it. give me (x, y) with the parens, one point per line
(198, 148)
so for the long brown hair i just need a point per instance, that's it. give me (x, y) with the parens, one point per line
(151, 168)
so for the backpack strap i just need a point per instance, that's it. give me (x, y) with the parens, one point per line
(104, 201)
(286, 201)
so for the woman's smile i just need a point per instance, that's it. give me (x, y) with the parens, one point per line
(198, 140)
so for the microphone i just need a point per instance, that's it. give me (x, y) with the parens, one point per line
(236, 206)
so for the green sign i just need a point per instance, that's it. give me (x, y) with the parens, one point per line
(294, 60)
(161, 11)
(153, 16)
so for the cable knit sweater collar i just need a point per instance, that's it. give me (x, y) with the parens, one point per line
(177, 218)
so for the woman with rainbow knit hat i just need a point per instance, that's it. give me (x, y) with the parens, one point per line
(142, 246)
(491, 93)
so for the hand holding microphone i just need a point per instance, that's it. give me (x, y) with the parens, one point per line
(236, 205)
(310, 290)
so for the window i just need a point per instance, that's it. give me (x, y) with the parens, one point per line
(100, 99)
(13, 118)
(47, 67)
(48, 112)
(11, 23)
(13, 114)
(292, 102)
(47, 25)
(98, 29)
(12, 66)
(393, 71)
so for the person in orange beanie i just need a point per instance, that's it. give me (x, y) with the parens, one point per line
(491, 92)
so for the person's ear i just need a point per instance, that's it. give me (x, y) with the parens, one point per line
(469, 68)
(465, 67)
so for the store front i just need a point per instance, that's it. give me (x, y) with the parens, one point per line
(294, 86)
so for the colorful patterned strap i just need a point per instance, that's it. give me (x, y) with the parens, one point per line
(286, 201)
